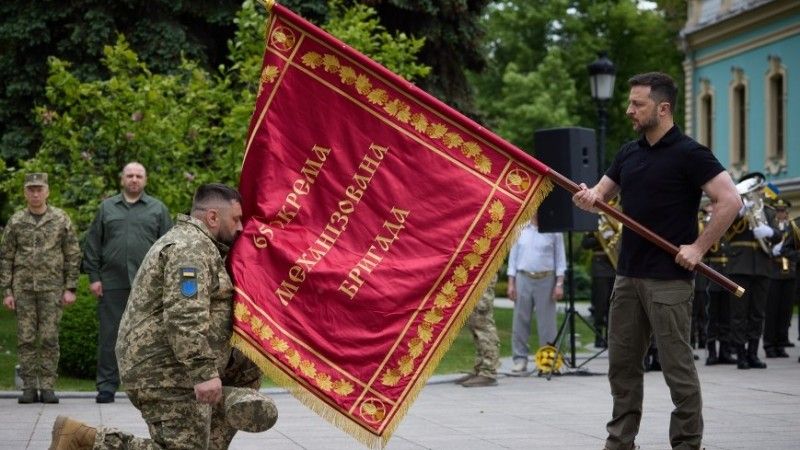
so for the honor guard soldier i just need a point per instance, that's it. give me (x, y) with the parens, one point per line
(751, 240)
(783, 274)
(38, 277)
(717, 301)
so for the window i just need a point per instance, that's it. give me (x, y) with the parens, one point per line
(705, 116)
(738, 121)
(775, 117)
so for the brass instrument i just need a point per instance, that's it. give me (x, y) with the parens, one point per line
(752, 189)
(609, 234)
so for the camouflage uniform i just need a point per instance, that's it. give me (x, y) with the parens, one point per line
(484, 334)
(174, 334)
(240, 372)
(40, 260)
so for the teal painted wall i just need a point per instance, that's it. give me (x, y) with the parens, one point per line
(755, 65)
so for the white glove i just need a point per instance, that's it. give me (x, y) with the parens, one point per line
(607, 233)
(776, 249)
(763, 231)
(746, 204)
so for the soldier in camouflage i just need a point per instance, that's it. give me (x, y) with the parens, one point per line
(487, 344)
(38, 276)
(173, 346)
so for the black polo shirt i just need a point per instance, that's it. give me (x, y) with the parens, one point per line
(661, 189)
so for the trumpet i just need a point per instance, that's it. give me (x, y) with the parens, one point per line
(752, 190)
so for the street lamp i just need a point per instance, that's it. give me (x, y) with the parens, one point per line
(601, 80)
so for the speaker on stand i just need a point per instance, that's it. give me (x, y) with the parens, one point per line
(571, 152)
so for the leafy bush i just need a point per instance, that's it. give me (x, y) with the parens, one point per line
(78, 336)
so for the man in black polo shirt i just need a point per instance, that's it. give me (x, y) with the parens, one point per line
(660, 179)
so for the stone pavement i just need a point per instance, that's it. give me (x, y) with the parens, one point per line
(752, 409)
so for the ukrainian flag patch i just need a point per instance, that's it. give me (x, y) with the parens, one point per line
(188, 281)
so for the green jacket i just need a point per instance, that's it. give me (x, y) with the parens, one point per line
(119, 237)
(176, 327)
(39, 256)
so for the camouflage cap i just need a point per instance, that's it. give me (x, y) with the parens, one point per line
(249, 410)
(36, 179)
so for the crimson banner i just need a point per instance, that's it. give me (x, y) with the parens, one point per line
(375, 216)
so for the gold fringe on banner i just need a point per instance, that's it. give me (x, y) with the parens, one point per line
(267, 4)
(345, 423)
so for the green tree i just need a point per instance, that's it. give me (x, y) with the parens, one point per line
(161, 32)
(187, 127)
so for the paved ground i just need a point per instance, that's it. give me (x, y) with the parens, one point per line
(753, 409)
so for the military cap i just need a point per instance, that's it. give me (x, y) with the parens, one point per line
(249, 410)
(781, 204)
(36, 179)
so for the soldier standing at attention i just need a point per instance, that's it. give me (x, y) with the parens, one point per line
(487, 344)
(125, 227)
(173, 345)
(660, 178)
(780, 300)
(38, 275)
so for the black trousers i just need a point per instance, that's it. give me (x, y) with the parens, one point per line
(109, 313)
(778, 313)
(719, 316)
(747, 312)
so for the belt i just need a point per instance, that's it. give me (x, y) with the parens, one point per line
(749, 244)
(536, 275)
(719, 259)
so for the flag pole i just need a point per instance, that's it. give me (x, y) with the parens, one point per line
(640, 229)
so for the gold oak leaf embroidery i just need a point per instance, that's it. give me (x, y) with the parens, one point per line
(348, 75)
(435, 315)
(293, 357)
(278, 344)
(312, 59)
(443, 301)
(415, 346)
(269, 74)
(452, 140)
(377, 96)
(483, 164)
(497, 210)
(460, 276)
(240, 312)
(266, 332)
(404, 115)
(436, 130)
(481, 245)
(420, 122)
(470, 149)
(308, 369)
(492, 229)
(324, 381)
(393, 107)
(425, 332)
(373, 411)
(472, 260)
(391, 377)
(363, 85)
(342, 387)
(330, 63)
(406, 364)
(449, 289)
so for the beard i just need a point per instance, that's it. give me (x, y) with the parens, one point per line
(227, 237)
(647, 124)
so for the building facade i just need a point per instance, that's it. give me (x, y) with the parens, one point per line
(742, 95)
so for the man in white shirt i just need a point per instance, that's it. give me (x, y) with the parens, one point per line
(536, 268)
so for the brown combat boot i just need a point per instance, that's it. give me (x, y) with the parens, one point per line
(479, 381)
(69, 434)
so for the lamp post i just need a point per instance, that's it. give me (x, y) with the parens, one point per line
(601, 80)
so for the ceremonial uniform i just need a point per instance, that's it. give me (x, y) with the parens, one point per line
(749, 267)
(487, 344)
(603, 274)
(780, 300)
(717, 308)
(40, 261)
(173, 335)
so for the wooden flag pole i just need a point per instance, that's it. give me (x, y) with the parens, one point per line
(704, 269)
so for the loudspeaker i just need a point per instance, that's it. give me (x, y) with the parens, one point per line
(572, 152)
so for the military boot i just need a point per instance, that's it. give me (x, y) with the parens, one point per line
(741, 357)
(752, 356)
(28, 396)
(712, 353)
(480, 381)
(48, 396)
(725, 356)
(69, 434)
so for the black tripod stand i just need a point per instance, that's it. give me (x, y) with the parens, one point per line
(569, 324)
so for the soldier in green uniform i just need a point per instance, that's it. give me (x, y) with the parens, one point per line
(173, 346)
(487, 344)
(38, 275)
(778, 314)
